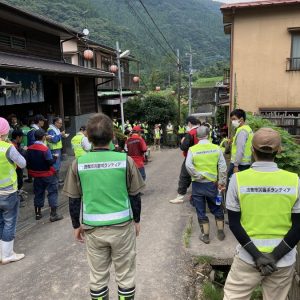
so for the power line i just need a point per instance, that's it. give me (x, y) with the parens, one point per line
(148, 13)
(141, 22)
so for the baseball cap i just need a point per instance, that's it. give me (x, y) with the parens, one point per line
(266, 140)
(38, 134)
(39, 117)
(136, 128)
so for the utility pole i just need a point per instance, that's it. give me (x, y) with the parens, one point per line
(120, 84)
(190, 54)
(179, 86)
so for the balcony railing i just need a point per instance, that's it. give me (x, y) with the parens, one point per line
(293, 64)
(127, 83)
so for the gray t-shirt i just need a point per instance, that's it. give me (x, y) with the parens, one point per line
(233, 203)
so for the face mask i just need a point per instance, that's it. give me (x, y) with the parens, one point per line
(235, 123)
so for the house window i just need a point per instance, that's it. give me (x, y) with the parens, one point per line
(68, 59)
(12, 41)
(295, 52)
(105, 63)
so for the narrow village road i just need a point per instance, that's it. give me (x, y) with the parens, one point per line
(55, 266)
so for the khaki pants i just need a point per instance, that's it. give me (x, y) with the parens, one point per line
(243, 278)
(115, 244)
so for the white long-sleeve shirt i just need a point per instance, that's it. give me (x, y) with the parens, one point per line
(222, 167)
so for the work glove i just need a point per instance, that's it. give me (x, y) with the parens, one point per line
(266, 264)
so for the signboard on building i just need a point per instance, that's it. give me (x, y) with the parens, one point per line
(30, 89)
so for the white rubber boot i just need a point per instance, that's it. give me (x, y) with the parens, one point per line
(179, 199)
(8, 254)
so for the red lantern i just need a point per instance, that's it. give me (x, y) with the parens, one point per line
(136, 79)
(88, 54)
(157, 88)
(113, 68)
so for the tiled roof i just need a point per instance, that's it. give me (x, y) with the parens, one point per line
(19, 62)
(261, 3)
(39, 18)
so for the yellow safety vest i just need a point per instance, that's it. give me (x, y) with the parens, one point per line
(54, 146)
(267, 200)
(247, 152)
(205, 160)
(157, 134)
(8, 175)
(223, 148)
(77, 146)
(181, 129)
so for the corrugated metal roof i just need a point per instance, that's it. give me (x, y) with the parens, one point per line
(19, 62)
(261, 3)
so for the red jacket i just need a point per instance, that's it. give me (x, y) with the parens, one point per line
(193, 141)
(136, 148)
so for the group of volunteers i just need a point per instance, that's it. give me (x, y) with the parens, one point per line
(262, 202)
(104, 187)
(40, 152)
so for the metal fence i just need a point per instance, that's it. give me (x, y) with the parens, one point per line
(289, 122)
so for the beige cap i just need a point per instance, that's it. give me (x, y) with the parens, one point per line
(266, 140)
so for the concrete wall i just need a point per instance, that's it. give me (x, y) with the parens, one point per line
(261, 45)
(203, 100)
(70, 46)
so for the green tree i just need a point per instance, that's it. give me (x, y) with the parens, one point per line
(289, 158)
(159, 108)
(133, 110)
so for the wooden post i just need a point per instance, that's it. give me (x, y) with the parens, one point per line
(77, 97)
(61, 101)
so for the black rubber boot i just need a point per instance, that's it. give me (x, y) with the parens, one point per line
(126, 294)
(103, 294)
(220, 227)
(38, 213)
(204, 236)
(54, 216)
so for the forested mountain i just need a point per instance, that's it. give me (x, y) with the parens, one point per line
(189, 23)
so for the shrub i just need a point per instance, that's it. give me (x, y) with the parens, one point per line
(289, 158)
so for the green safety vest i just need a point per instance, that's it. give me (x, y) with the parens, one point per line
(25, 130)
(77, 146)
(205, 160)
(8, 175)
(181, 130)
(105, 196)
(247, 152)
(54, 146)
(267, 200)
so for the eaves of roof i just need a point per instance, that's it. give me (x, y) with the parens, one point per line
(19, 62)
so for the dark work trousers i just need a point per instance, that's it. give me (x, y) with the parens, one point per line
(184, 180)
(143, 173)
(203, 192)
(20, 178)
(230, 171)
(43, 184)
